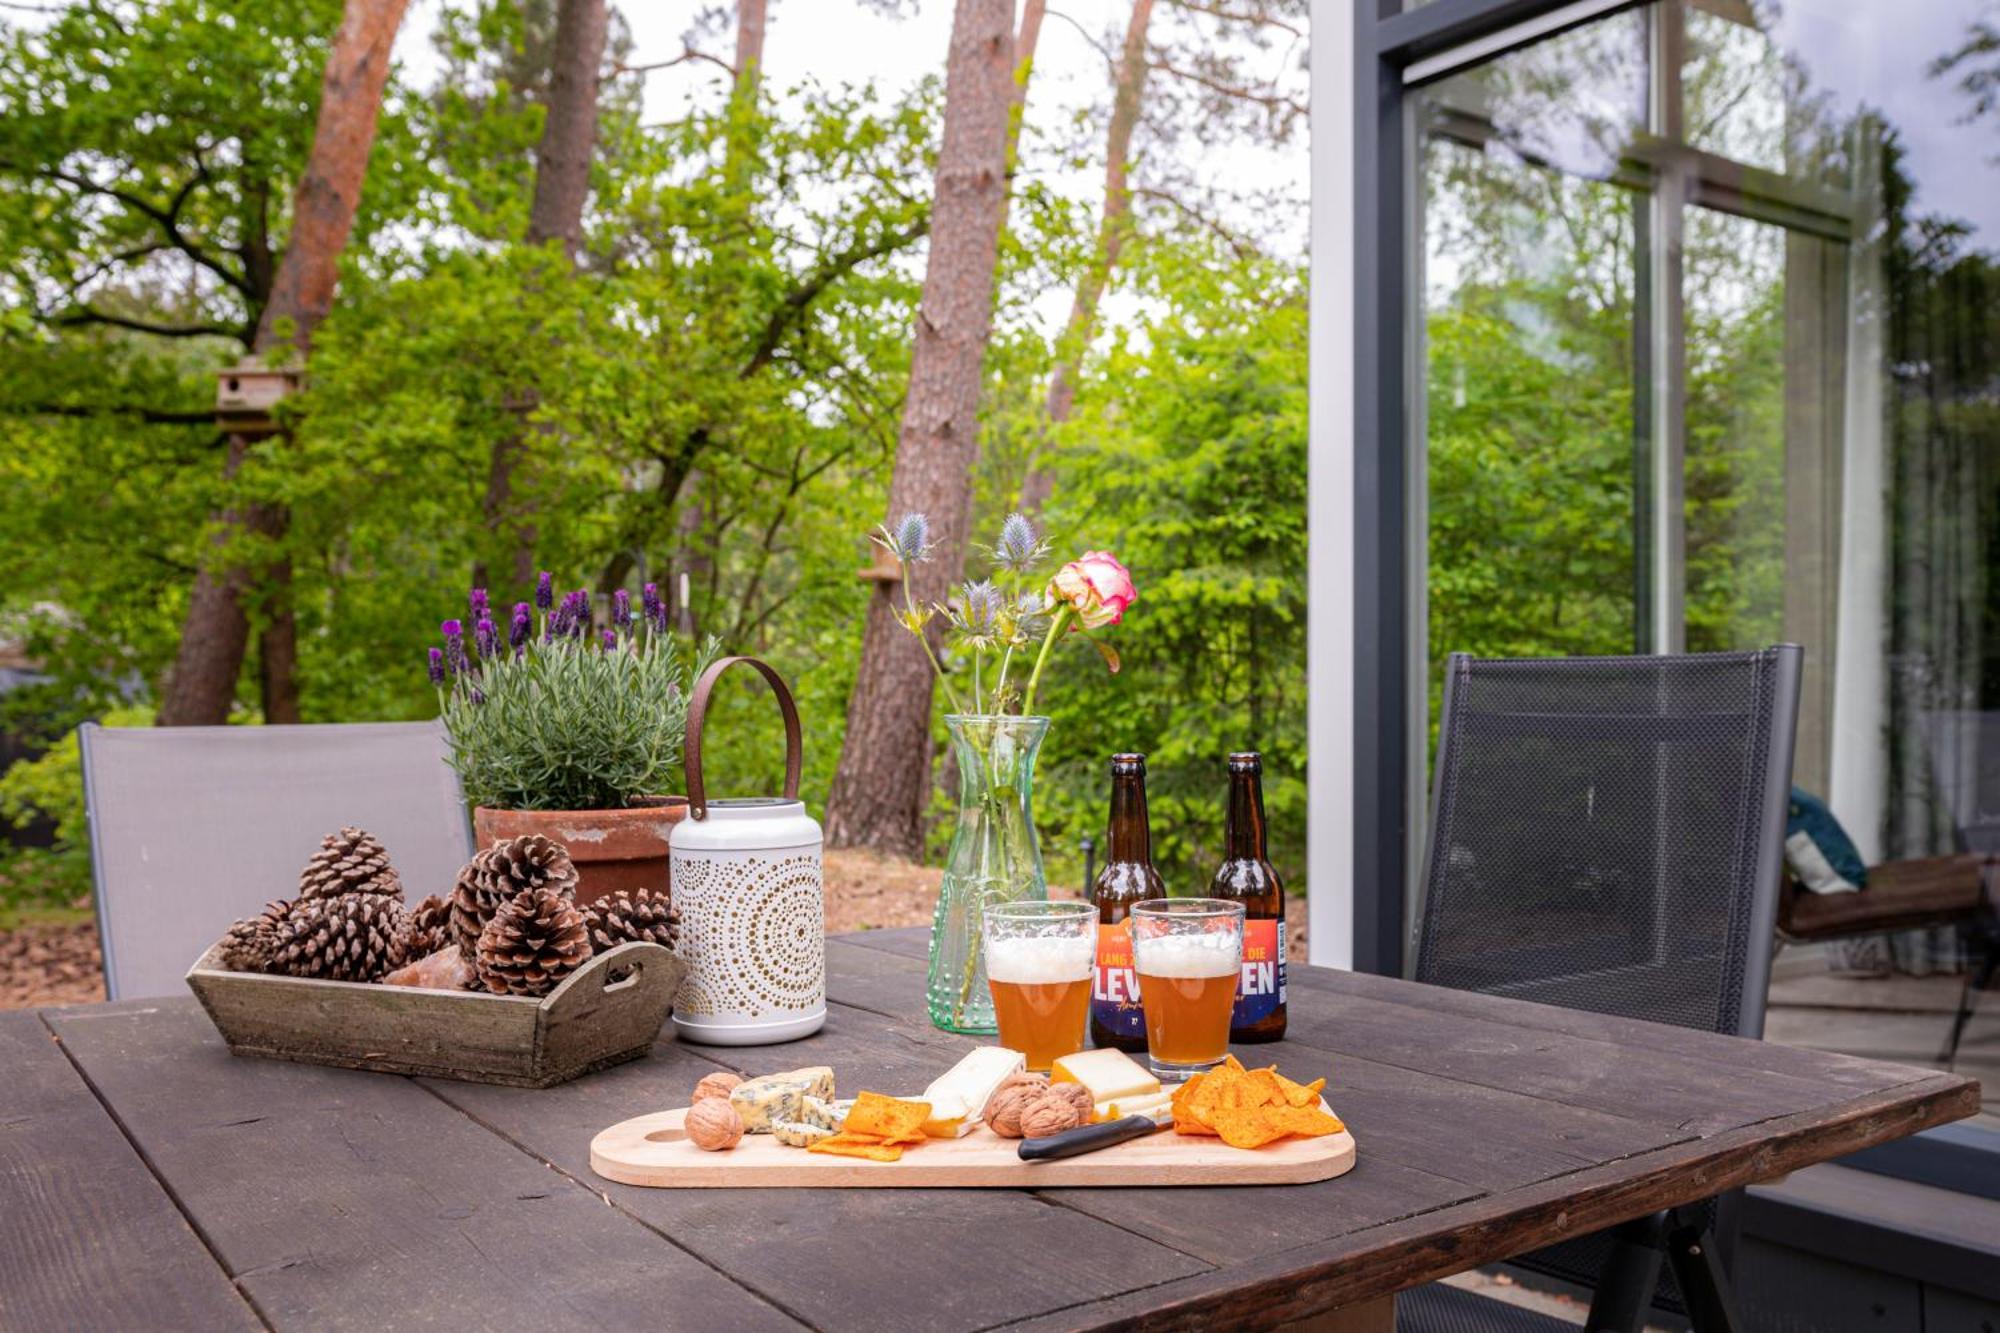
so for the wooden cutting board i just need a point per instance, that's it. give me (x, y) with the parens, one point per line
(654, 1150)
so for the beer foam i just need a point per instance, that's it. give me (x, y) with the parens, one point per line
(1210, 954)
(1041, 960)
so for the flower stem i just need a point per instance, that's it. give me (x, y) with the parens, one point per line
(1041, 660)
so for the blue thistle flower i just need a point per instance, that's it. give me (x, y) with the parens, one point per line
(454, 645)
(982, 608)
(486, 637)
(523, 626)
(621, 609)
(913, 537)
(545, 590)
(1019, 547)
(655, 608)
(437, 666)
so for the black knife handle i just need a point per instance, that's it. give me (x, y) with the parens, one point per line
(1086, 1138)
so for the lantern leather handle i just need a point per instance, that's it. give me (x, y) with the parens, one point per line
(698, 714)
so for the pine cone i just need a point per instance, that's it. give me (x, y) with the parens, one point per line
(248, 945)
(500, 874)
(350, 861)
(355, 937)
(532, 943)
(430, 928)
(623, 917)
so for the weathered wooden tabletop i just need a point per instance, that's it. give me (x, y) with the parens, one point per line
(150, 1181)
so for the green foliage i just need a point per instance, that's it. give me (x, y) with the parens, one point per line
(50, 787)
(570, 720)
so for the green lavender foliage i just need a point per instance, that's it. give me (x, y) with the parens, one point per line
(571, 724)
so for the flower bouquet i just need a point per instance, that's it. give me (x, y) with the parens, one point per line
(1001, 631)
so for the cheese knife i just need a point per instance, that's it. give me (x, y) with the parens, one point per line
(1089, 1138)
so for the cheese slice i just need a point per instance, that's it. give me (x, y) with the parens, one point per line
(1108, 1074)
(1147, 1104)
(958, 1096)
(795, 1135)
(763, 1102)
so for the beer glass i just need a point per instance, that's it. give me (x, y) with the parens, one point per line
(1040, 957)
(1188, 953)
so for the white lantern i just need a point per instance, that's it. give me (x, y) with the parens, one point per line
(746, 880)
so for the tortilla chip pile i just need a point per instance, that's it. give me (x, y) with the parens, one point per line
(1248, 1108)
(878, 1128)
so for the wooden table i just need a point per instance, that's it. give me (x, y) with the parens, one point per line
(148, 1180)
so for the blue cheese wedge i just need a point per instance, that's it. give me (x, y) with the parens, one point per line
(795, 1135)
(818, 1112)
(765, 1102)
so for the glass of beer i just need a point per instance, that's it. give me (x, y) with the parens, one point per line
(1039, 961)
(1188, 953)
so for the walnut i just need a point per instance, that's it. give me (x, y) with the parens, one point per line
(713, 1125)
(1004, 1111)
(1049, 1114)
(716, 1085)
(1076, 1095)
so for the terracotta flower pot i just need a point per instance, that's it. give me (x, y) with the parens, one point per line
(613, 849)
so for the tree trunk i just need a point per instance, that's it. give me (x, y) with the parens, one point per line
(750, 16)
(1113, 227)
(216, 633)
(879, 789)
(562, 187)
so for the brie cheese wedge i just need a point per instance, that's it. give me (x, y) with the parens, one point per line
(958, 1096)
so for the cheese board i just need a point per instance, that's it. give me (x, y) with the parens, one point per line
(655, 1150)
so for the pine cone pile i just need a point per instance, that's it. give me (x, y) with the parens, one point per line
(532, 942)
(621, 918)
(512, 916)
(500, 874)
(350, 861)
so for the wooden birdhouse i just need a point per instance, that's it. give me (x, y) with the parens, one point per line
(247, 397)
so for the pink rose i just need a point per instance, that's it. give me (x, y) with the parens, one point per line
(1096, 587)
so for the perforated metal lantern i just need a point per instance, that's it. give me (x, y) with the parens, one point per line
(746, 878)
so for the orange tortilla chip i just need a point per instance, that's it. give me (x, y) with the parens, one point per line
(1300, 1094)
(858, 1145)
(891, 1119)
(1307, 1122)
(1250, 1126)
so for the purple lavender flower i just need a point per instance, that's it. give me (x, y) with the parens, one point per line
(610, 640)
(578, 605)
(655, 609)
(486, 637)
(545, 590)
(476, 599)
(523, 626)
(454, 645)
(621, 609)
(478, 695)
(437, 666)
(557, 626)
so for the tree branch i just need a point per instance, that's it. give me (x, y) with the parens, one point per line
(1244, 248)
(1279, 100)
(85, 315)
(687, 53)
(1229, 15)
(152, 416)
(793, 308)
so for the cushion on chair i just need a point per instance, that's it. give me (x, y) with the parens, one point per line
(1439, 1308)
(1818, 851)
(1901, 895)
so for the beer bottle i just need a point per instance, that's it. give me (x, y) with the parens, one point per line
(1246, 875)
(1116, 1018)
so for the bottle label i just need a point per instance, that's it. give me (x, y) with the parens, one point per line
(1114, 992)
(1262, 987)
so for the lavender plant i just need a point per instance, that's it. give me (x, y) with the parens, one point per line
(553, 712)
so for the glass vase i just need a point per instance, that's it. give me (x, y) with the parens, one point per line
(994, 857)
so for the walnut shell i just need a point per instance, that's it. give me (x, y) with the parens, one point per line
(1076, 1095)
(713, 1125)
(1004, 1110)
(716, 1085)
(1049, 1114)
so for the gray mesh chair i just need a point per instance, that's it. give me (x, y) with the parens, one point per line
(193, 827)
(1608, 835)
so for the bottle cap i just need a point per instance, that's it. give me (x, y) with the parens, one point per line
(1127, 763)
(1246, 761)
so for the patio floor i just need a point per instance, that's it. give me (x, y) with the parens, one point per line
(1901, 1018)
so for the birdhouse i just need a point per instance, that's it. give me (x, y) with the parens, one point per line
(247, 397)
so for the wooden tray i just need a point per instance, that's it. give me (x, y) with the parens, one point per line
(654, 1150)
(589, 1022)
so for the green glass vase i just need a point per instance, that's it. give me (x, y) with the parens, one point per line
(994, 857)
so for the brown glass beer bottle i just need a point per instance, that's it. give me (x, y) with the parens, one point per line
(1247, 876)
(1116, 1017)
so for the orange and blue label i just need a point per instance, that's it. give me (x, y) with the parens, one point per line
(1114, 991)
(1261, 987)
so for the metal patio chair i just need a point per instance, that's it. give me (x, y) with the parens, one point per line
(1607, 835)
(193, 827)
